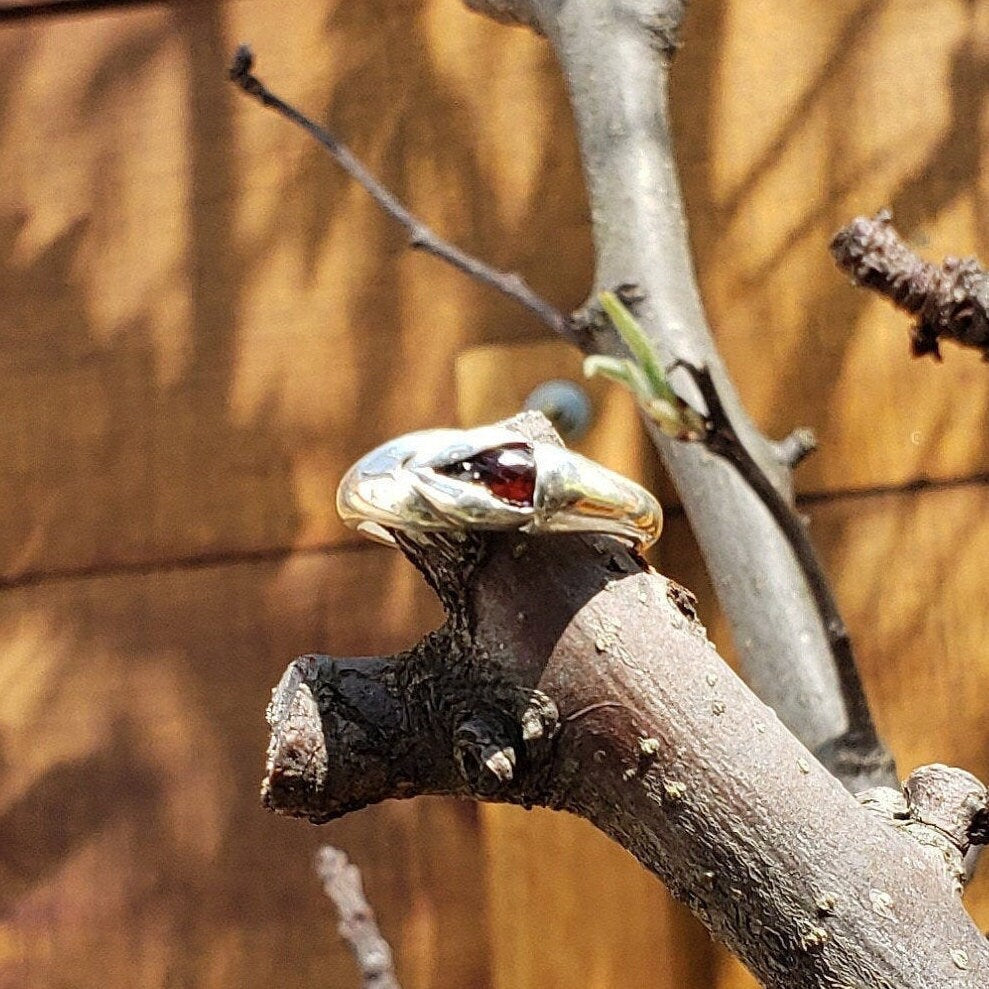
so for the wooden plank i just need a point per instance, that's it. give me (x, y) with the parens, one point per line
(204, 324)
(132, 740)
(569, 907)
(853, 106)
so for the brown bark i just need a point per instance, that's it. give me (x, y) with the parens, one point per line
(950, 301)
(571, 675)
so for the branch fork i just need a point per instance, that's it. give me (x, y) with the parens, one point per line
(840, 730)
(571, 675)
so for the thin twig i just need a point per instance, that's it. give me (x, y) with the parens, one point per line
(794, 448)
(421, 237)
(342, 884)
(861, 744)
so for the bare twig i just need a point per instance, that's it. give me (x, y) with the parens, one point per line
(421, 237)
(860, 749)
(796, 447)
(950, 301)
(342, 884)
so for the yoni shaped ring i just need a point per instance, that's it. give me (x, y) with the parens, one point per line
(492, 477)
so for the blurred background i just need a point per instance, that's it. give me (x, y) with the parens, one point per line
(203, 323)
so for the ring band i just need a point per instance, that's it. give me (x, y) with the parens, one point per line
(491, 477)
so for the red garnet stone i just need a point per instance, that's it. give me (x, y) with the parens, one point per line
(508, 472)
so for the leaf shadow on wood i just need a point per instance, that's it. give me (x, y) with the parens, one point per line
(833, 311)
(147, 538)
(135, 496)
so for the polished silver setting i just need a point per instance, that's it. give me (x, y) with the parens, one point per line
(399, 486)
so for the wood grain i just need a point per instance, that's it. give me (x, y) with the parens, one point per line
(132, 739)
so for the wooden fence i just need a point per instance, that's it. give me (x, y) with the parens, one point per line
(203, 324)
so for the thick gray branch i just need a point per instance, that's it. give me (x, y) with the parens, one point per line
(615, 57)
(570, 675)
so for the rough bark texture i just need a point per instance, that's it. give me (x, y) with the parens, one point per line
(615, 57)
(572, 676)
(950, 300)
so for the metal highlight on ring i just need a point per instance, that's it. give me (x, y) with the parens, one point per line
(492, 477)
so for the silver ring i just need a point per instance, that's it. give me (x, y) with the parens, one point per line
(492, 477)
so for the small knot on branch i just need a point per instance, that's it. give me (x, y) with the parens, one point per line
(484, 753)
(885, 802)
(664, 28)
(539, 717)
(951, 800)
(944, 809)
(492, 747)
(242, 63)
(793, 449)
(240, 73)
(950, 300)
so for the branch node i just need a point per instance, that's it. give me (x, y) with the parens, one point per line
(951, 800)
(630, 293)
(664, 29)
(539, 718)
(944, 809)
(484, 753)
(793, 449)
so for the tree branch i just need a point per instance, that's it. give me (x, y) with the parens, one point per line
(950, 301)
(860, 747)
(859, 751)
(342, 884)
(421, 237)
(616, 62)
(806, 688)
(570, 675)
